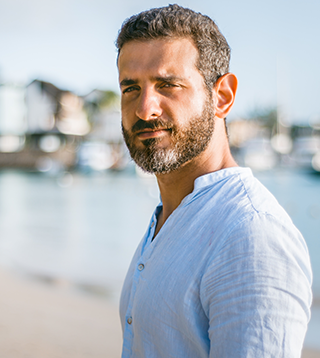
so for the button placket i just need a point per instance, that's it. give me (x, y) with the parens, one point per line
(140, 266)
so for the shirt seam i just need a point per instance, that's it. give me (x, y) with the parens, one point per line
(248, 196)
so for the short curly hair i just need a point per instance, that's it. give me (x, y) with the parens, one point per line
(175, 21)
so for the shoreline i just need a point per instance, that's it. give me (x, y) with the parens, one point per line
(39, 319)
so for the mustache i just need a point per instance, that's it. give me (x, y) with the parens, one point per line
(155, 124)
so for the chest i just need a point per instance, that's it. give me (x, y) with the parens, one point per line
(164, 279)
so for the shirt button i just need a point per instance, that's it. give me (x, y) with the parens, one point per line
(141, 267)
(152, 224)
(129, 320)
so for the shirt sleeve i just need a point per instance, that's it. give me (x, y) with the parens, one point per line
(256, 291)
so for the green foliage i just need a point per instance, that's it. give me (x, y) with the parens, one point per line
(108, 99)
(99, 100)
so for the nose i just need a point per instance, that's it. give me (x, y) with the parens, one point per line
(148, 106)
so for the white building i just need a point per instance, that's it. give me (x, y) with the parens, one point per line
(12, 118)
(12, 110)
(42, 103)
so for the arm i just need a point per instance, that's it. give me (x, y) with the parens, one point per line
(257, 291)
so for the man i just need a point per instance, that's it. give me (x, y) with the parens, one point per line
(221, 270)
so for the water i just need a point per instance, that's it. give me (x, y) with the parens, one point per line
(85, 232)
(84, 229)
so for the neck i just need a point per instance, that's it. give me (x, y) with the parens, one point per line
(178, 184)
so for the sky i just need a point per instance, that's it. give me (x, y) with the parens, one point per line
(275, 47)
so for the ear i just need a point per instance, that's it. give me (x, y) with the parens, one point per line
(225, 92)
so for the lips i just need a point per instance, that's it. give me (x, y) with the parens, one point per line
(151, 133)
(154, 125)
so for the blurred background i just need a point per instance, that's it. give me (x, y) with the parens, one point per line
(74, 206)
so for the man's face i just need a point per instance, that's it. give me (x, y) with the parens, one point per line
(167, 112)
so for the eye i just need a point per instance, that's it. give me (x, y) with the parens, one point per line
(168, 85)
(129, 89)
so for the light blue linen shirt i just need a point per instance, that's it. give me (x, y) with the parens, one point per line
(228, 275)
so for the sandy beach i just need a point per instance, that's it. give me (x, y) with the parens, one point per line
(39, 320)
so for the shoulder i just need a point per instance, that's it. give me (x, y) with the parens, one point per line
(260, 251)
(239, 200)
(252, 201)
(258, 229)
(256, 240)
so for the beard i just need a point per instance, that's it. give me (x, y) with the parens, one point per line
(186, 143)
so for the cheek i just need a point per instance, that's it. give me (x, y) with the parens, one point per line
(187, 107)
(186, 115)
(126, 118)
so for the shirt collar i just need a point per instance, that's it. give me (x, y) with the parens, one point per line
(213, 178)
(209, 180)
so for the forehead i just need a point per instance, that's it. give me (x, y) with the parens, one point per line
(160, 57)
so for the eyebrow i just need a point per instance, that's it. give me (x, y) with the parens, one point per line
(128, 82)
(171, 78)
